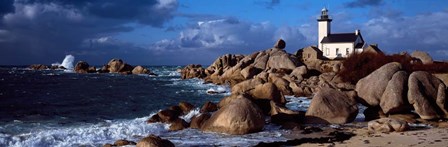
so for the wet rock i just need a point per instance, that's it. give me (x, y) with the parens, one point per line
(209, 107)
(167, 115)
(154, 141)
(82, 67)
(155, 118)
(241, 116)
(38, 67)
(386, 125)
(186, 107)
(118, 66)
(178, 124)
(427, 95)
(198, 120)
(123, 142)
(140, 70)
(331, 106)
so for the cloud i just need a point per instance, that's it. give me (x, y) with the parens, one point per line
(268, 4)
(231, 35)
(364, 3)
(407, 33)
(41, 31)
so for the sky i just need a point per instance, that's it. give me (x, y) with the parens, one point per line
(180, 32)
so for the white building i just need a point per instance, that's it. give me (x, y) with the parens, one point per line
(337, 45)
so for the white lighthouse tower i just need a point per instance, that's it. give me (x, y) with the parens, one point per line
(324, 24)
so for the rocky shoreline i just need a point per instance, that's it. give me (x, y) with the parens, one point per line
(397, 91)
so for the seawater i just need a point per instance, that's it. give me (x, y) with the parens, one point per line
(60, 108)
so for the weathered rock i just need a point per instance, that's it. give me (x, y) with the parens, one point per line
(228, 99)
(192, 71)
(140, 70)
(280, 44)
(245, 86)
(123, 142)
(38, 67)
(178, 124)
(279, 59)
(82, 67)
(299, 71)
(115, 65)
(331, 106)
(241, 116)
(423, 56)
(154, 141)
(108, 145)
(176, 109)
(427, 95)
(249, 72)
(186, 107)
(268, 91)
(371, 88)
(281, 84)
(167, 115)
(394, 97)
(155, 118)
(198, 120)
(209, 107)
(386, 125)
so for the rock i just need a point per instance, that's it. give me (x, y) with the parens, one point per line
(371, 88)
(427, 95)
(407, 117)
(123, 142)
(285, 117)
(299, 71)
(423, 56)
(394, 97)
(280, 44)
(268, 91)
(386, 125)
(372, 113)
(154, 141)
(279, 59)
(82, 67)
(249, 72)
(140, 70)
(167, 115)
(155, 118)
(192, 71)
(209, 107)
(176, 109)
(178, 124)
(198, 120)
(241, 116)
(108, 145)
(186, 107)
(245, 86)
(331, 106)
(92, 69)
(38, 67)
(115, 65)
(281, 84)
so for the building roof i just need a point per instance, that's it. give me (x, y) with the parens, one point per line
(373, 49)
(339, 38)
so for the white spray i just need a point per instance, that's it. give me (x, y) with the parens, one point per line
(68, 61)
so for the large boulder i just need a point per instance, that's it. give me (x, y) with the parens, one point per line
(209, 107)
(118, 66)
(371, 88)
(280, 44)
(267, 91)
(241, 116)
(246, 85)
(192, 71)
(82, 67)
(394, 97)
(279, 59)
(386, 125)
(154, 141)
(140, 70)
(427, 95)
(422, 56)
(331, 106)
(198, 120)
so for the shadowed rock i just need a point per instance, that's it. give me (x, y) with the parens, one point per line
(154, 141)
(386, 125)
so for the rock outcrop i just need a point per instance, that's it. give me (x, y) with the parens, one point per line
(82, 67)
(386, 125)
(331, 106)
(240, 116)
(154, 141)
(422, 56)
(118, 66)
(428, 96)
(38, 67)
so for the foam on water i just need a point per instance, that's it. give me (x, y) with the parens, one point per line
(66, 63)
(297, 103)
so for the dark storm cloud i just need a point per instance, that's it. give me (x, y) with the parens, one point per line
(363, 3)
(43, 31)
(6, 6)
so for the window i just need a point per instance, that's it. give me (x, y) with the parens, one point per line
(337, 51)
(327, 51)
(347, 51)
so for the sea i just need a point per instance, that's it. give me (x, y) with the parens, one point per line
(63, 108)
